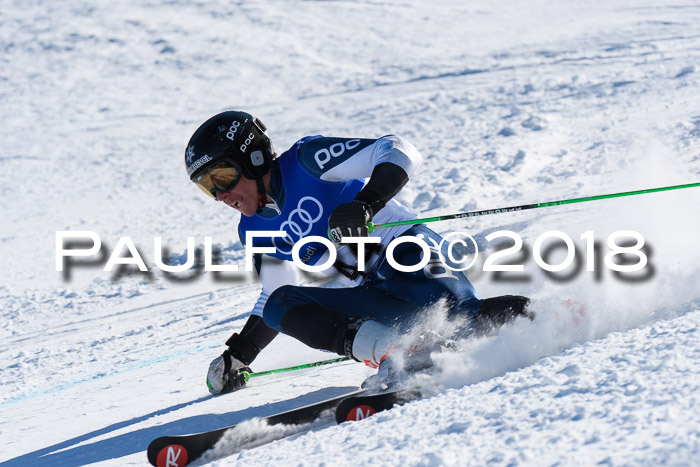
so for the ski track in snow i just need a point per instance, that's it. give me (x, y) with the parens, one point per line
(511, 103)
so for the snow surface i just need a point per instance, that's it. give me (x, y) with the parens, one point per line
(511, 103)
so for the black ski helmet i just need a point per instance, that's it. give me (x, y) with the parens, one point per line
(232, 136)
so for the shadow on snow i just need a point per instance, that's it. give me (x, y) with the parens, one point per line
(136, 441)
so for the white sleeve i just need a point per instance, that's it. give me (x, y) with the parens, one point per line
(390, 148)
(274, 273)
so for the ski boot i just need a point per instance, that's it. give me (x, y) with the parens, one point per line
(397, 359)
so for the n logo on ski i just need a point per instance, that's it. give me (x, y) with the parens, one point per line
(360, 413)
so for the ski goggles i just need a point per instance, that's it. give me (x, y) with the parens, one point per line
(223, 176)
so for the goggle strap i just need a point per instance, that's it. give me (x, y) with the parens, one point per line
(260, 126)
(262, 196)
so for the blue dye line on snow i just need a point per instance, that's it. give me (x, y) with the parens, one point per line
(124, 369)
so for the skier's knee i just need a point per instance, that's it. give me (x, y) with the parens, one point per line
(497, 311)
(277, 305)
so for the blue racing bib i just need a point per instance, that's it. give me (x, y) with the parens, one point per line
(307, 205)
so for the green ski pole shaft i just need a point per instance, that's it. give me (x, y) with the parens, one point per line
(248, 375)
(372, 227)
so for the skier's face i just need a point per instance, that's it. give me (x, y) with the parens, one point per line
(243, 197)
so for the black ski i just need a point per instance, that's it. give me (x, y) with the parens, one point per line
(177, 451)
(359, 406)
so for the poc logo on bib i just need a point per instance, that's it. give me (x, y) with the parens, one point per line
(323, 156)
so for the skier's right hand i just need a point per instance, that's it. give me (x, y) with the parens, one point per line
(226, 374)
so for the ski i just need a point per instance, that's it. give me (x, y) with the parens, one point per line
(356, 407)
(178, 451)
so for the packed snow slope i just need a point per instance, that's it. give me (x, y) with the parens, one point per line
(511, 102)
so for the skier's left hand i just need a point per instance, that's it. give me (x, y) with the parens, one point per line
(226, 374)
(349, 220)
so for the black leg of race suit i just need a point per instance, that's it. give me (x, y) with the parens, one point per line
(331, 325)
(497, 311)
(320, 317)
(318, 327)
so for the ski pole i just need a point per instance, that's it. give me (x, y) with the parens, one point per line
(248, 375)
(372, 227)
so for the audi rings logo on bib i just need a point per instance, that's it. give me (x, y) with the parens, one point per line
(299, 223)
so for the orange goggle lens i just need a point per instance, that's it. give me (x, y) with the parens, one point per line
(222, 177)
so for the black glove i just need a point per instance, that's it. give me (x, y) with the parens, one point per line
(349, 220)
(226, 374)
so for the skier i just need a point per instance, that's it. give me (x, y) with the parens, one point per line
(318, 187)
